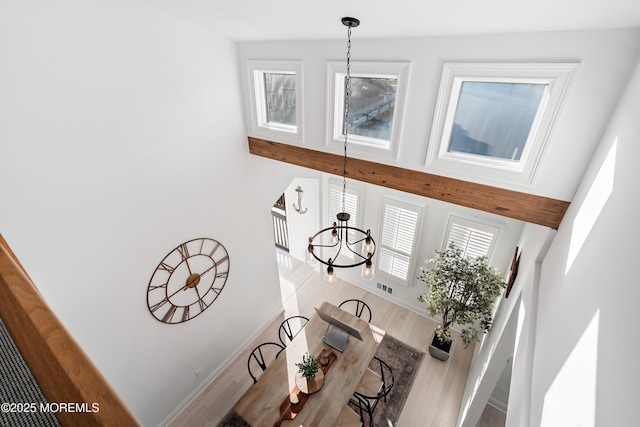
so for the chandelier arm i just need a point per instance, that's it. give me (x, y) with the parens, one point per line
(355, 264)
(347, 245)
(356, 253)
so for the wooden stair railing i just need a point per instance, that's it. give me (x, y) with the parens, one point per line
(63, 371)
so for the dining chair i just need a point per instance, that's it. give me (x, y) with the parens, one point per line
(374, 386)
(357, 307)
(261, 357)
(290, 327)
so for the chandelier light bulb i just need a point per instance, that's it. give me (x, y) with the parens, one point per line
(334, 235)
(330, 278)
(309, 257)
(367, 272)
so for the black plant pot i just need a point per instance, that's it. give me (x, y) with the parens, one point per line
(440, 351)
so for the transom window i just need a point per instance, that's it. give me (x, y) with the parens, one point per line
(280, 94)
(276, 109)
(494, 120)
(377, 94)
(372, 105)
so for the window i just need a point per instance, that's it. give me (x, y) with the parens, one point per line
(494, 120)
(377, 92)
(398, 236)
(352, 198)
(473, 237)
(276, 99)
(280, 93)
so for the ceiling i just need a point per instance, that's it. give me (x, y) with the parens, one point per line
(247, 20)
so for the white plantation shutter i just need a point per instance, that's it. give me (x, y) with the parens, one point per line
(351, 207)
(399, 226)
(475, 239)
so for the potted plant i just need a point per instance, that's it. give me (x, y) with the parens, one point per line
(309, 378)
(462, 291)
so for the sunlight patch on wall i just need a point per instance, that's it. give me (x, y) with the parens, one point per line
(592, 205)
(521, 318)
(571, 398)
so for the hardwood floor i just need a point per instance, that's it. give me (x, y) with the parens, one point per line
(436, 394)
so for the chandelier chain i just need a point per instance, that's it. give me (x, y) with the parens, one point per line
(340, 237)
(347, 90)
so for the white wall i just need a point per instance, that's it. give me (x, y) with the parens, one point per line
(585, 352)
(511, 335)
(575, 357)
(121, 136)
(307, 224)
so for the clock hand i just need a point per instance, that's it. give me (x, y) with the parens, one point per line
(208, 269)
(184, 288)
(215, 264)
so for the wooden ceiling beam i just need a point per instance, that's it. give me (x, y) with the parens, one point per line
(512, 204)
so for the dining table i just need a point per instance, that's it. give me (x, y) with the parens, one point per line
(276, 400)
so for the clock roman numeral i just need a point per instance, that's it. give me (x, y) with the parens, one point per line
(185, 314)
(153, 287)
(169, 315)
(214, 249)
(221, 260)
(166, 267)
(160, 304)
(203, 305)
(184, 251)
(222, 274)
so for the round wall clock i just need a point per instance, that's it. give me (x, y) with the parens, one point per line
(188, 280)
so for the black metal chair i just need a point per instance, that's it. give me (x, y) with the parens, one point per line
(357, 307)
(290, 327)
(262, 356)
(373, 387)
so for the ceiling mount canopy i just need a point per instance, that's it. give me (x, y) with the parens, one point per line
(350, 22)
(343, 245)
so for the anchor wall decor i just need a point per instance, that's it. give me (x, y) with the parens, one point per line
(299, 207)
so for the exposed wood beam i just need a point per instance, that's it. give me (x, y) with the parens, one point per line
(513, 204)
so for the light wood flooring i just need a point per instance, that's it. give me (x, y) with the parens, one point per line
(435, 397)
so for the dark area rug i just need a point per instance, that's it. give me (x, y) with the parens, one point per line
(404, 361)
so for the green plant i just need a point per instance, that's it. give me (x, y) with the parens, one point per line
(462, 291)
(308, 366)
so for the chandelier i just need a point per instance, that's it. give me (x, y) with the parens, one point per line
(341, 238)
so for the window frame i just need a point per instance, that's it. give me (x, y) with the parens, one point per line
(259, 126)
(557, 78)
(419, 210)
(336, 72)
